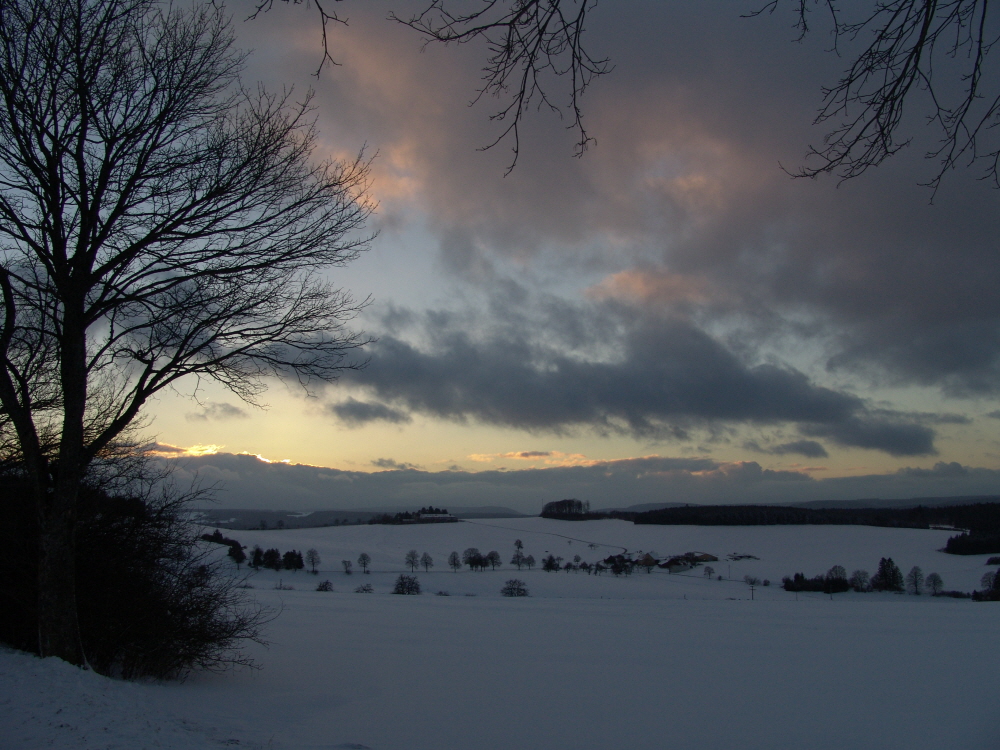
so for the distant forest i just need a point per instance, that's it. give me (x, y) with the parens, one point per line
(981, 520)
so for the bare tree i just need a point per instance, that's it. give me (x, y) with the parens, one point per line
(412, 560)
(454, 562)
(427, 562)
(915, 580)
(860, 580)
(158, 221)
(313, 558)
(347, 566)
(935, 584)
(925, 49)
(364, 560)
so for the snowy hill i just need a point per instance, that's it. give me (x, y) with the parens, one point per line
(584, 663)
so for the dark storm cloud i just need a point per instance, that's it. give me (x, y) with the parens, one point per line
(388, 463)
(666, 374)
(807, 448)
(683, 206)
(247, 482)
(355, 413)
(702, 107)
(213, 410)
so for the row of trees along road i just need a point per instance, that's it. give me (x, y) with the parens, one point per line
(160, 221)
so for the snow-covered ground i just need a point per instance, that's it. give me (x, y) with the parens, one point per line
(650, 661)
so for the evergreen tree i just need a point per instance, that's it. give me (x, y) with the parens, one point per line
(889, 577)
(237, 554)
(257, 558)
(272, 559)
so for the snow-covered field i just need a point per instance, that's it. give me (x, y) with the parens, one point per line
(650, 661)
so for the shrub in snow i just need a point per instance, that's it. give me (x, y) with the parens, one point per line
(325, 586)
(406, 585)
(153, 600)
(442, 593)
(514, 587)
(365, 588)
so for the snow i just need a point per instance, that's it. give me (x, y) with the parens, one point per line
(586, 662)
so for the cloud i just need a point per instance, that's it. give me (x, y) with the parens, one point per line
(165, 450)
(656, 379)
(214, 410)
(356, 413)
(247, 482)
(808, 448)
(392, 465)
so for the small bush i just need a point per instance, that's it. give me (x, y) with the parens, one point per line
(153, 600)
(993, 561)
(514, 587)
(406, 585)
(324, 586)
(442, 593)
(366, 588)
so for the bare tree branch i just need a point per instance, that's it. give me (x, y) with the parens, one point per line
(530, 42)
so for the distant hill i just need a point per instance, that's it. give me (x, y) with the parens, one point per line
(927, 502)
(242, 518)
(641, 508)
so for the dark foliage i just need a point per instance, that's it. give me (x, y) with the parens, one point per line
(550, 563)
(888, 577)
(820, 583)
(514, 587)
(565, 509)
(292, 560)
(973, 544)
(475, 559)
(272, 559)
(152, 603)
(325, 586)
(406, 585)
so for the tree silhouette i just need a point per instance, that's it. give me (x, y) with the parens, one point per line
(427, 562)
(364, 561)
(313, 558)
(158, 221)
(412, 560)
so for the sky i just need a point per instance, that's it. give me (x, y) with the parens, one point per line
(669, 317)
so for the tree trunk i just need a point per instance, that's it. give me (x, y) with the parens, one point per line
(58, 618)
(58, 622)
